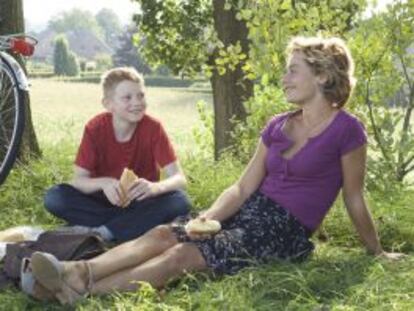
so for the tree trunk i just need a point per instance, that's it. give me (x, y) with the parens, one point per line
(12, 21)
(230, 89)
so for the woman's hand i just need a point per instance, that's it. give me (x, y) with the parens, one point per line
(143, 189)
(199, 235)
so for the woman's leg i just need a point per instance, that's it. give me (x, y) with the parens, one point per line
(175, 261)
(78, 275)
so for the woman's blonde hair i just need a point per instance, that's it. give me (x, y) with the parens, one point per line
(111, 78)
(329, 57)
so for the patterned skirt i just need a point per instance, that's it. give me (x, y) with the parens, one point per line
(259, 232)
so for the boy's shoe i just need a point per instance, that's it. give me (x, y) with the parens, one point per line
(76, 229)
(101, 231)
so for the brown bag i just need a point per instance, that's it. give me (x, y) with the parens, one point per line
(63, 245)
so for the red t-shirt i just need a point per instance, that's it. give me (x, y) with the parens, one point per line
(148, 150)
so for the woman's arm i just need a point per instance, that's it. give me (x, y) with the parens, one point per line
(353, 168)
(229, 202)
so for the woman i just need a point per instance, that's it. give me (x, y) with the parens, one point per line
(302, 160)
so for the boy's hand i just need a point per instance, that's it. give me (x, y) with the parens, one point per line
(143, 189)
(110, 188)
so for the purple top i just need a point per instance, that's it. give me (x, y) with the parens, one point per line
(308, 183)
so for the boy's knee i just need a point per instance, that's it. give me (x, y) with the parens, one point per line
(180, 202)
(54, 199)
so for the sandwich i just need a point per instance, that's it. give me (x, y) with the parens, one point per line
(203, 226)
(127, 179)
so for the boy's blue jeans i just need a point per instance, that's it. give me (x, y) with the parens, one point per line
(93, 210)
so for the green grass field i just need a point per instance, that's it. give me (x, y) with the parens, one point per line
(339, 276)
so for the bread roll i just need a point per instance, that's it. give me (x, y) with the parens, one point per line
(126, 180)
(204, 226)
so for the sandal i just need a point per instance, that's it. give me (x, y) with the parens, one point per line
(48, 271)
(30, 286)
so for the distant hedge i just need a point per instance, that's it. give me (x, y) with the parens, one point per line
(95, 77)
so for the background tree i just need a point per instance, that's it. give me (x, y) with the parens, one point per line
(127, 51)
(109, 22)
(75, 20)
(187, 35)
(60, 55)
(65, 62)
(383, 47)
(12, 21)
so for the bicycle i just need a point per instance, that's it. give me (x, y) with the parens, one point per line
(14, 87)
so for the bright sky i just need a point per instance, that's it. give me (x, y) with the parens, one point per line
(38, 13)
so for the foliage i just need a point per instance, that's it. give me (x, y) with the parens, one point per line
(267, 102)
(385, 66)
(176, 33)
(60, 55)
(103, 62)
(271, 24)
(64, 61)
(110, 25)
(72, 65)
(127, 51)
(74, 20)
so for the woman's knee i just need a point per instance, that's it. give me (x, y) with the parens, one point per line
(184, 257)
(162, 234)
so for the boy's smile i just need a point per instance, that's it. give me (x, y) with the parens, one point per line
(128, 102)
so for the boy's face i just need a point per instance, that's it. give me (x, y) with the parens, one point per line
(127, 101)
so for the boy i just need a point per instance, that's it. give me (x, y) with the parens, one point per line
(123, 137)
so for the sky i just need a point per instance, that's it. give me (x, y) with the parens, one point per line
(37, 13)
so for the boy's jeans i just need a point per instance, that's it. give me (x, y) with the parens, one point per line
(93, 210)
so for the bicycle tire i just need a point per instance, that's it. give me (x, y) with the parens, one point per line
(12, 118)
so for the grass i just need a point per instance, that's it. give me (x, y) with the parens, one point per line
(339, 276)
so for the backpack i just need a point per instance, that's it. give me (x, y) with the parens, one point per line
(63, 245)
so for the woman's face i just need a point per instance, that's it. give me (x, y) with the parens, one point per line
(300, 85)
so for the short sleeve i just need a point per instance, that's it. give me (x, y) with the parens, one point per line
(87, 155)
(354, 136)
(163, 149)
(269, 129)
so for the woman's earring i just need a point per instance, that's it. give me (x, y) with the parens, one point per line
(335, 105)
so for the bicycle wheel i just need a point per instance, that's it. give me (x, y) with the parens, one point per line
(11, 118)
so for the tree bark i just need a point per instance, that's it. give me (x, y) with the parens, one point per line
(12, 21)
(231, 89)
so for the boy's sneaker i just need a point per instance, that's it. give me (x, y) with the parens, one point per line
(102, 231)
